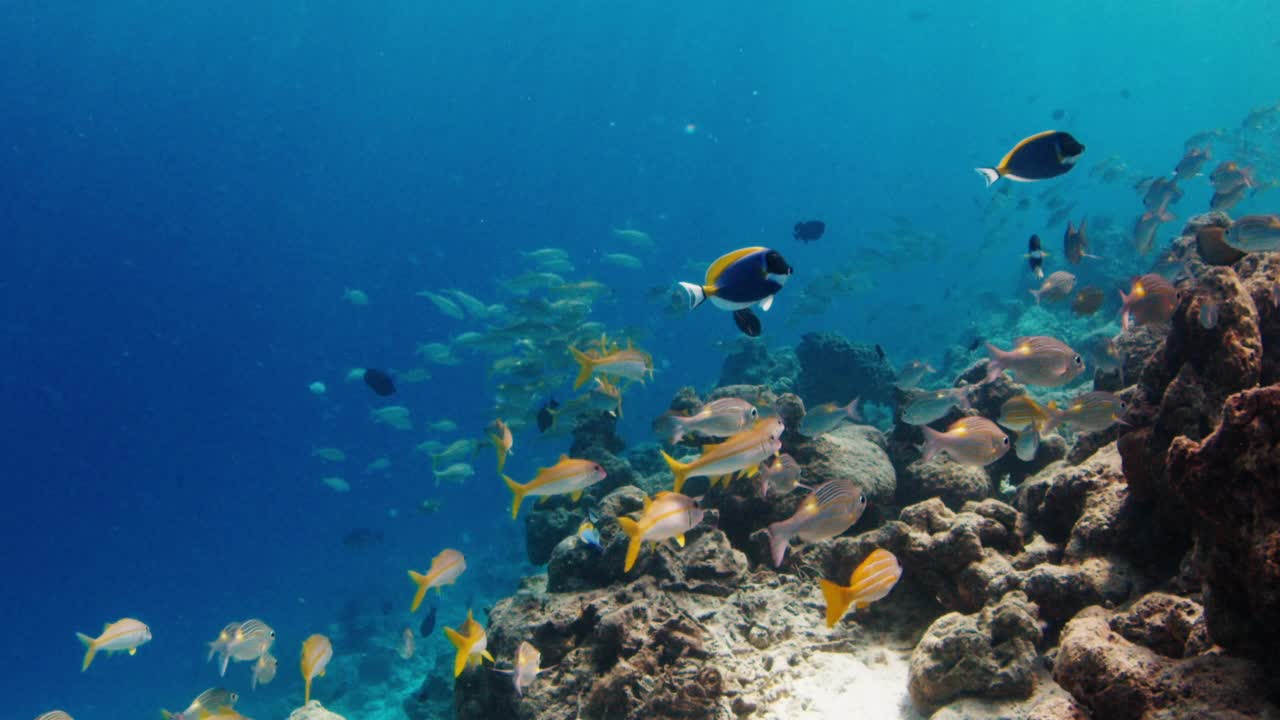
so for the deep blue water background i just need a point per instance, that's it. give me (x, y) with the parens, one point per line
(187, 188)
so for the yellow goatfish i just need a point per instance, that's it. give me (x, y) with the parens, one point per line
(445, 569)
(472, 644)
(567, 476)
(500, 435)
(667, 515)
(317, 651)
(124, 635)
(871, 581)
(743, 451)
(628, 363)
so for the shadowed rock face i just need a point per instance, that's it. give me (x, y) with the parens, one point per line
(833, 369)
(1231, 484)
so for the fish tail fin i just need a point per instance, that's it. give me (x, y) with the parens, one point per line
(90, 651)
(697, 294)
(634, 535)
(1035, 294)
(931, 444)
(989, 174)
(851, 410)
(518, 491)
(421, 581)
(1056, 416)
(586, 365)
(994, 364)
(464, 646)
(678, 469)
(838, 599)
(165, 714)
(226, 658)
(777, 544)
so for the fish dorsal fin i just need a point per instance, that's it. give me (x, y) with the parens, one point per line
(724, 261)
(766, 303)
(680, 539)
(563, 457)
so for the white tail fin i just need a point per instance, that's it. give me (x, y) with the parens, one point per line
(696, 294)
(994, 366)
(989, 174)
(931, 444)
(777, 545)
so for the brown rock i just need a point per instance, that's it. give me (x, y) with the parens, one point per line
(1231, 483)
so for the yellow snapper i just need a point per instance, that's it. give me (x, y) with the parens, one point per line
(1022, 412)
(969, 441)
(123, 635)
(1094, 411)
(718, 418)
(567, 476)
(471, 642)
(668, 515)
(1036, 360)
(871, 581)
(828, 511)
(206, 704)
(317, 651)
(930, 405)
(264, 671)
(525, 668)
(445, 569)
(627, 363)
(827, 417)
(743, 451)
(500, 435)
(780, 473)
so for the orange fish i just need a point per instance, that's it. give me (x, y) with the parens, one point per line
(969, 441)
(472, 644)
(500, 435)
(568, 476)
(871, 581)
(445, 569)
(1035, 360)
(317, 651)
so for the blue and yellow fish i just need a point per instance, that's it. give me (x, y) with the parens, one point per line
(739, 280)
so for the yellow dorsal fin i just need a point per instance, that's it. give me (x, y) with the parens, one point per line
(680, 539)
(724, 261)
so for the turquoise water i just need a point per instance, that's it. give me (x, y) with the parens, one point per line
(189, 188)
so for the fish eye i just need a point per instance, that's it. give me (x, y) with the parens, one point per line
(1005, 442)
(1123, 405)
(1079, 361)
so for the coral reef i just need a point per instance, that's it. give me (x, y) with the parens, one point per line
(314, 711)
(832, 369)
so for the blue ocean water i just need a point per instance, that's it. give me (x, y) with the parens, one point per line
(188, 188)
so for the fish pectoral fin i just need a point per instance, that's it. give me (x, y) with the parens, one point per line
(576, 495)
(766, 303)
(321, 673)
(487, 656)
(133, 651)
(753, 471)
(680, 540)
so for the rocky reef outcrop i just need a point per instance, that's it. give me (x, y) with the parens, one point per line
(832, 369)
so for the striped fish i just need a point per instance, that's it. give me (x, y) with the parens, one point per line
(871, 581)
(832, 508)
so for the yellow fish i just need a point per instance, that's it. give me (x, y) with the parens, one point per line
(628, 363)
(667, 515)
(871, 581)
(568, 476)
(500, 435)
(206, 703)
(445, 569)
(317, 651)
(743, 451)
(472, 644)
(124, 635)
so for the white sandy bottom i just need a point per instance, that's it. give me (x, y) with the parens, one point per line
(839, 685)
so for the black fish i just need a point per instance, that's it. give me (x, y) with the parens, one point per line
(1035, 256)
(1059, 114)
(428, 622)
(547, 415)
(976, 342)
(747, 322)
(1038, 157)
(379, 382)
(808, 230)
(362, 538)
